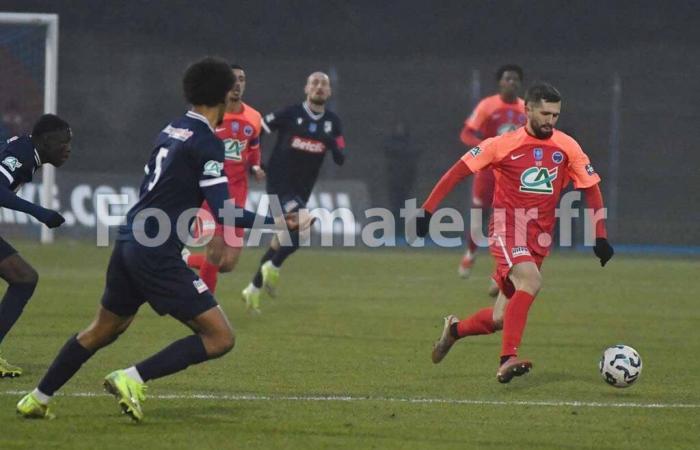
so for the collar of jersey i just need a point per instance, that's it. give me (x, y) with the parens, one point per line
(312, 114)
(37, 158)
(194, 115)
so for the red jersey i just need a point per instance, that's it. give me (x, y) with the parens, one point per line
(241, 135)
(530, 173)
(494, 117)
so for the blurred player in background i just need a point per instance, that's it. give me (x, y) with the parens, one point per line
(493, 116)
(185, 167)
(240, 132)
(305, 133)
(532, 165)
(20, 158)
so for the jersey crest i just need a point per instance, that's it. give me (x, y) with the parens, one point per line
(11, 163)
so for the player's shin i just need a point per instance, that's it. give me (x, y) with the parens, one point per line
(68, 361)
(514, 321)
(12, 305)
(176, 357)
(478, 323)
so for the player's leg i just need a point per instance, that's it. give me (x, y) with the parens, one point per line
(251, 294)
(527, 281)
(209, 270)
(104, 329)
(482, 197)
(22, 280)
(481, 322)
(213, 337)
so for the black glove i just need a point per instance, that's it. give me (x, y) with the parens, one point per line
(603, 250)
(423, 224)
(51, 219)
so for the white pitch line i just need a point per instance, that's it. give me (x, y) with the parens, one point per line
(342, 398)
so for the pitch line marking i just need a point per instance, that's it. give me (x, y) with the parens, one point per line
(418, 400)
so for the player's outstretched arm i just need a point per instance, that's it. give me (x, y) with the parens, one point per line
(48, 217)
(221, 205)
(602, 249)
(447, 183)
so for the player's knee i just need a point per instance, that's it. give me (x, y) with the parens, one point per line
(219, 343)
(24, 274)
(493, 290)
(497, 318)
(228, 264)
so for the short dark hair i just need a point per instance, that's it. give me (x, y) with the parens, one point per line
(206, 82)
(510, 68)
(49, 123)
(542, 91)
(237, 66)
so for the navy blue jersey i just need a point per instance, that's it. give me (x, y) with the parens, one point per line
(186, 157)
(303, 138)
(18, 162)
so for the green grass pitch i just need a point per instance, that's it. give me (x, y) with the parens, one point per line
(359, 324)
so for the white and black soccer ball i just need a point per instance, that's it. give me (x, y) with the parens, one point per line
(620, 366)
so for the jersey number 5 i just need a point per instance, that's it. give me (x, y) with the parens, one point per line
(162, 154)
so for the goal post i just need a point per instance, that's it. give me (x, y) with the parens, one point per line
(50, 23)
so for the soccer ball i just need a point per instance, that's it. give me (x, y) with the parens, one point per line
(620, 366)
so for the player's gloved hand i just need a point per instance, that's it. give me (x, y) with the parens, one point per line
(603, 250)
(51, 218)
(423, 223)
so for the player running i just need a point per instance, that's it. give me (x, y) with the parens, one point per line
(240, 131)
(531, 166)
(20, 158)
(184, 168)
(305, 133)
(493, 116)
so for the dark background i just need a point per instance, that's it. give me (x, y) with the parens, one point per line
(411, 62)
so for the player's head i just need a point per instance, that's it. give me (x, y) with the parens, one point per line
(52, 137)
(236, 93)
(510, 78)
(207, 82)
(542, 106)
(318, 88)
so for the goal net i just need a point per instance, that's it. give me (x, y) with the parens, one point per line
(28, 79)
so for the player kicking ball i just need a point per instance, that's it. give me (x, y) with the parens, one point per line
(531, 166)
(185, 167)
(20, 158)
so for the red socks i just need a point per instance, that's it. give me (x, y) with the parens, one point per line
(514, 321)
(480, 322)
(195, 260)
(209, 273)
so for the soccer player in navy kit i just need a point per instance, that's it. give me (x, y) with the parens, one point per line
(185, 168)
(305, 133)
(20, 158)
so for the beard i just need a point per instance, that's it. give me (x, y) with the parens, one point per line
(542, 134)
(319, 101)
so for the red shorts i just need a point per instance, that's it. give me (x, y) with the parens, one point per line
(506, 254)
(482, 189)
(206, 226)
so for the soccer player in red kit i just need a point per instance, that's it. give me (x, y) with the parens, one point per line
(531, 166)
(240, 132)
(493, 116)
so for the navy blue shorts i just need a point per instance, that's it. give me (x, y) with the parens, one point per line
(6, 249)
(138, 274)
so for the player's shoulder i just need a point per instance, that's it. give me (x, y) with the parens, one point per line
(331, 115)
(251, 112)
(565, 142)
(20, 147)
(489, 103)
